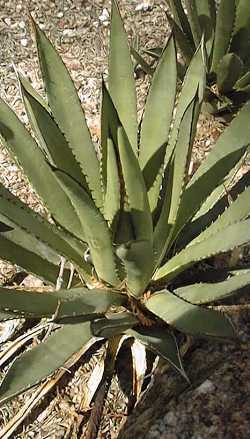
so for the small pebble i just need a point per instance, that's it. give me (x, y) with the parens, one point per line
(22, 24)
(7, 21)
(60, 14)
(205, 387)
(24, 42)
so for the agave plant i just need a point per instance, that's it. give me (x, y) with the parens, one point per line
(226, 27)
(127, 226)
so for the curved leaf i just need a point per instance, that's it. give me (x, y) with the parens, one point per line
(30, 158)
(162, 343)
(225, 20)
(68, 113)
(222, 241)
(188, 318)
(50, 136)
(116, 324)
(158, 110)
(229, 71)
(209, 292)
(95, 228)
(36, 364)
(60, 304)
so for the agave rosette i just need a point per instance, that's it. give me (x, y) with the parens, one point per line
(130, 207)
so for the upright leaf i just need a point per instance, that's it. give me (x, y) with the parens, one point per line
(68, 113)
(95, 229)
(30, 158)
(158, 114)
(223, 32)
(121, 77)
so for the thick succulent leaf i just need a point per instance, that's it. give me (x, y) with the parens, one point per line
(50, 137)
(237, 211)
(222, 241)
(32, 91)
(158, 113)
(36, 364)
(193, 84)
(241, 37)
(210, 292)
(188, 318)
(243, 82)
(121, 77)
(181, 19)
(225, 20)
(37, 227)
(192, 14)
(161, 342)
(95, 228)
(137, 257)
(229, 71)
(186, 47)
(228, 151)
(135, 189)
(20, 249)
(30, 158)
(114, 325)
(60, 304)
(215, 208)
(206, 10)
(67, 111)
(180, 161)
(112, 196)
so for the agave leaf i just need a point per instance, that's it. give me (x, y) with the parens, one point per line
(68, 113)
(243, 81)
(203, 293)
(241, 34)
(32, 91)
(237, 211)
(184, 44)
(188, 318)
(217, 206)
(229, 71)
(96, 232)
(135, 189)
(158, 113)
(194, 80)
(181, 20)
(114, 325)
(223, 32)
(137, 257)
(180, 161)
(60, 304)
(112, 195)
(44, 359)
(30, 158)
(33, 224)
(121, 77)
(228, 151)
(162, 343)
(206, 10)
(12, 249)
(192, 14)
(50, 135)
(222, 241)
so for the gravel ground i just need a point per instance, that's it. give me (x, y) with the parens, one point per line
(79, 29)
